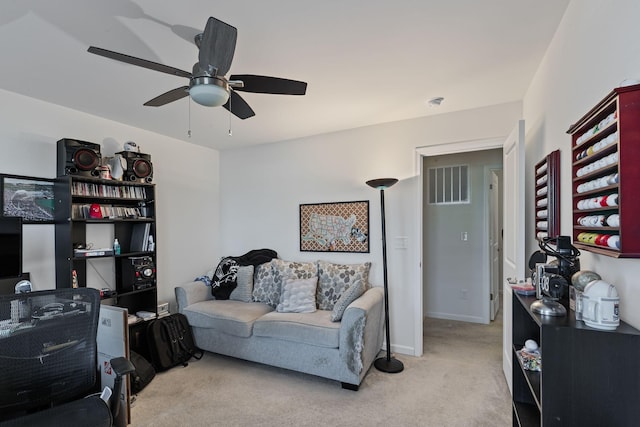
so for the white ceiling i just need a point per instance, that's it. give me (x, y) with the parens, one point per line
(365, 61)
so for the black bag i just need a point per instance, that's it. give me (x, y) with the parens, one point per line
(171, 342)
(143, 374)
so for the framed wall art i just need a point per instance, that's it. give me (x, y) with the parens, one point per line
(28, 197)
(334, 227)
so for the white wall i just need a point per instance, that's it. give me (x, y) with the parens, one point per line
(262, 187)
(594, 49)
(186, 178)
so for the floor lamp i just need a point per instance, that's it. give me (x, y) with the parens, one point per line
(388, 363)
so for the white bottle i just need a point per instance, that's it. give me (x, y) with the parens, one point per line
(116, 247)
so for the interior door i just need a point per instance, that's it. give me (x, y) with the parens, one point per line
(495, 241)
(513, 238)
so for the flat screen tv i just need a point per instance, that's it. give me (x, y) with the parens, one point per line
(10, 247)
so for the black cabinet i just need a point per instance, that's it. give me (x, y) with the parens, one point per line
(589, 377)
(120, 210)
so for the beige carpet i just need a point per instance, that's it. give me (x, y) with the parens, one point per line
(458, 381)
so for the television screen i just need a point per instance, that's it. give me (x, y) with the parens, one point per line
(10, 247)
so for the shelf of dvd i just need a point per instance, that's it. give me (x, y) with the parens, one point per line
(86, 207)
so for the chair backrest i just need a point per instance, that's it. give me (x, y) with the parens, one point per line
(48, 351)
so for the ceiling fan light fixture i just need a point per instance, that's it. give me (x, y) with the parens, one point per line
(209, 91)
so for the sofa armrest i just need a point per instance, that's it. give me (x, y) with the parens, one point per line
(191, 293)
(361, 330)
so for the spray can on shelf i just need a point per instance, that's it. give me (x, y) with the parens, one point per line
(116, 247)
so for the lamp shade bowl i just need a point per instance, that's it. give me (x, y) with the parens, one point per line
(381, 183)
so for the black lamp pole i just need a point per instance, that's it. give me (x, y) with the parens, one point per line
(388, 363)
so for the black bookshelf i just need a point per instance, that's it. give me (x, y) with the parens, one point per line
(589, 377)
(128, 208)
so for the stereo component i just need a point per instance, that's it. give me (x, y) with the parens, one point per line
(138, 272)
(78, 158)
(139, 167)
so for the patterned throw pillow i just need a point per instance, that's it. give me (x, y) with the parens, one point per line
(264, 286)
(243, 292)
(298, 295)
(224, 281)
(352, 293)
(334, 279)
(292, 269)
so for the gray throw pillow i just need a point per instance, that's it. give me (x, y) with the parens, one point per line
(298, 295)
(244, 290)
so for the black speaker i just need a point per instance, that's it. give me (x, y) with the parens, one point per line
(139, 166)
(78, 158)
(138, 273)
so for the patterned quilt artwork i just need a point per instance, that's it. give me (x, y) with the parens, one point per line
(323, 229)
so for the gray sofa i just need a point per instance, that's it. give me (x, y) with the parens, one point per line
(304, 342)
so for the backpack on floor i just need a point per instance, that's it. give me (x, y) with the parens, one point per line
(143, 374)
(171, 342)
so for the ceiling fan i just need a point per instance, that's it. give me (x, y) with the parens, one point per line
(207, 84)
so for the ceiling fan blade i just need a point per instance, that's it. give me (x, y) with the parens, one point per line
(238, 106)
(273, 85)
(139, 62)
(217, 47)
(167, 97)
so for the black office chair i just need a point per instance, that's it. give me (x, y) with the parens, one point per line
(48, 361)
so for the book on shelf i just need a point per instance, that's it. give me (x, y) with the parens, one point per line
(88, 189)
(140, 237)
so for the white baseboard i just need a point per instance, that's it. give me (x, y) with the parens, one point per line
(458, 317)
(400, 349)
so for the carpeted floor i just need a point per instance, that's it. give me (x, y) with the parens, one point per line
(458, 381)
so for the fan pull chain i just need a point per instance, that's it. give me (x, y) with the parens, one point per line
(189, 130)
(230, 131)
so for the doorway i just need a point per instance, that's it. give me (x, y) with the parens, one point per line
(456, 235)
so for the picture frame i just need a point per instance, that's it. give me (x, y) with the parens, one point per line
(31, 198)
(335, 227)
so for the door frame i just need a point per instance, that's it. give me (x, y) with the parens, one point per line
(428, 151)
(513, 242)
(494, 211)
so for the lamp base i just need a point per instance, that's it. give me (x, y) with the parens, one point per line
(391, 366)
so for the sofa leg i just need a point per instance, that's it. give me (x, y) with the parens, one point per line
(352, 387)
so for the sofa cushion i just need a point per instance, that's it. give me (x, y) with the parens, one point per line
(309, 328)
(232, 317)
(244, 289)
(298, 295)
(334, 279)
